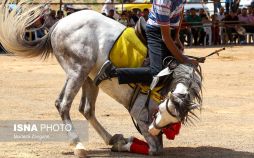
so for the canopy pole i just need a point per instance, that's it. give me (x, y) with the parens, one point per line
(61, 3)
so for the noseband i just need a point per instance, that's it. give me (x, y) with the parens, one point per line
(169, 112)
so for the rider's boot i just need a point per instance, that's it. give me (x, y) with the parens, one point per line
(107, 71)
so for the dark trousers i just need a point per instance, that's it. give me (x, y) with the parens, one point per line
(249, 28)
(185, 36)
(228, 7)
(157, 51)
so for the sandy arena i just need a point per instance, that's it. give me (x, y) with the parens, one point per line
(29, 87)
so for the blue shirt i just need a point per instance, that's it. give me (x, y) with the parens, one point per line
(166, 12)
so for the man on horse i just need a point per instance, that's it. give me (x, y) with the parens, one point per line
(162, 32)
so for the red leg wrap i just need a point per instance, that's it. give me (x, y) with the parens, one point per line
(140, 142)
(139, 149)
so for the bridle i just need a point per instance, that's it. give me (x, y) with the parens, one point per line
(169, 112)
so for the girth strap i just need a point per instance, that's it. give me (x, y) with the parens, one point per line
(134, 96)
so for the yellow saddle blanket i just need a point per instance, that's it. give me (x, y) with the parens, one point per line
(128, 51)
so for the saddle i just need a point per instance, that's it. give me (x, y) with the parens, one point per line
(130, 51)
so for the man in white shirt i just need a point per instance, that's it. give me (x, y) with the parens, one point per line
(109, 5)
(221, 15)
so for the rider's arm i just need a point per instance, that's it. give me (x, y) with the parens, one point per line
(169, 42)
(162, 13)
(166, 37)
(177, 29)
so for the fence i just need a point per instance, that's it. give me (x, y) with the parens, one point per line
(214, 32)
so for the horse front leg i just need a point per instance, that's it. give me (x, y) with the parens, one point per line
(153, 144)
(87, 109)
(63, 105)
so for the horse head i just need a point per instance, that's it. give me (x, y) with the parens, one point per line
(185, 95)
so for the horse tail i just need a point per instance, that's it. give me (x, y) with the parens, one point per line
(13, 25)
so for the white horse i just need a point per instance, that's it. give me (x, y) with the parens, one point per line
(81, 43)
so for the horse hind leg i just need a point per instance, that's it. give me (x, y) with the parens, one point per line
(87, 108)
(63, 104)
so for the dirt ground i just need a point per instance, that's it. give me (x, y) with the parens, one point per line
(29, 87)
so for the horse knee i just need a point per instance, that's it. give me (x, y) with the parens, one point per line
(85, 110)
(64, 110)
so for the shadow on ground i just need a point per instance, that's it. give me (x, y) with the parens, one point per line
(177, 152)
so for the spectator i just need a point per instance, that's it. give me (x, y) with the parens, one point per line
(69, 12)
(185, 33)
(243, 17)
(246, 21)
(221, 15)
(249, 10)
(131, 22)
(109, 5)
(194, 20)
(187, 13)
(59, 15)
(123, 19)
(145, 13)
(235, 5)
(206, 30)
(50, 19)
(238, 11)
(68, 8)
(251, 17)
(134, 15)
(228, 4)
(202, 13)
(111, 14)
(219, 18)
(217, 5)
(216, 29)
(230, 22)
(35, 31)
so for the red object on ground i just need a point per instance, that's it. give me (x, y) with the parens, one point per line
(139, 147)
(172, 130)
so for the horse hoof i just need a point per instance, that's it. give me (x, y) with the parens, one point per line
(115, 139)
(118, 146)
(80, 151)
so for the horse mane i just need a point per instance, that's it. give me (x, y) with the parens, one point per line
(185, 104)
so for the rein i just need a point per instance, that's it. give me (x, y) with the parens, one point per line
(134, 96)
(167, 71)
(169, 112)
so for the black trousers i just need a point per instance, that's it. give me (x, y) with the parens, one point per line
(157, 51)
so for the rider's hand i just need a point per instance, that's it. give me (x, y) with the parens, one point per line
(194, 62)
(201, 59)
(191, 61)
